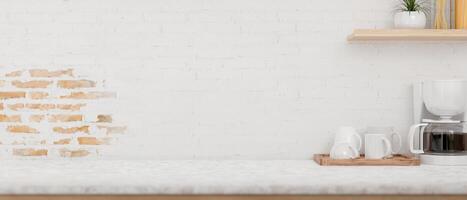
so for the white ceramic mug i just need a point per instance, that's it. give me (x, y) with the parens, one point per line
(343, 150)
(348, 135)
(390, 134)
(377, 146)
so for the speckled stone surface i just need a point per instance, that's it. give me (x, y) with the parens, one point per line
(223, 177)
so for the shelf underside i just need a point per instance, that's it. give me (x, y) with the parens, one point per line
(408, 34)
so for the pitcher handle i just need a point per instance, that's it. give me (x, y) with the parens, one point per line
(412, 130)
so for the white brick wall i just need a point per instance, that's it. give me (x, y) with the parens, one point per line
(263, 79)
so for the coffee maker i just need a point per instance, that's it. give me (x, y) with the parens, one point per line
(440, 133)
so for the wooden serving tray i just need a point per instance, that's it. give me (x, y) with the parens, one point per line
(396, 160)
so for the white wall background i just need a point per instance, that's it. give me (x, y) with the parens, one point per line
(230, 79)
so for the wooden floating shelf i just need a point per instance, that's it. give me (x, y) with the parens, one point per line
(408, 34)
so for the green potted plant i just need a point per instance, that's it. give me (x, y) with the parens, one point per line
(411, 14)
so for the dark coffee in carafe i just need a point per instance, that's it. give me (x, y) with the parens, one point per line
(445, 142)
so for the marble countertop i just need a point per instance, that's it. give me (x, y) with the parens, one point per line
(223, 177)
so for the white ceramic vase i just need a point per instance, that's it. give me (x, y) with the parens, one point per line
(410, 20)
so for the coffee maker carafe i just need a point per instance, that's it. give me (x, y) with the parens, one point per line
(440, 137)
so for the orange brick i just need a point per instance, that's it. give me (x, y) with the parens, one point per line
(104, 119)
(48, 74)
(84, 129)
(42, 107)
(30, 152)
(72, 84)
(71, 107)
(89, 95)
(21, 129)
(65, 118)
(31, 84)
(11, 118)
(16, 106)
(36, 118)
(113, 130)
(93, 141)
(73, 153)
(14, 73)
(12, 95)
(63, 141)
(38, 95)
(29, 142)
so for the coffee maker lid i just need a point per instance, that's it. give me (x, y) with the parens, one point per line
(441, 121)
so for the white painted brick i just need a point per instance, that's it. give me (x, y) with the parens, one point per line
(268, 27)
(120, 17)
(165, 17)
(76, 17)
(194, 28)
(244, 79)
(209, 16)
(255, 16)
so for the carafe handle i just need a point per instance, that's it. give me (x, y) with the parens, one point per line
(412, 131)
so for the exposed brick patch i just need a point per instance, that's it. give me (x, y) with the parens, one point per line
(29, 142)
(18, 143)
(21, 129)
(40, 106)
(16, 106)
(104, 119)
(62, 141)
(44, 107)
(48, 109)
(89, 95)
(14, 73)
(38, 95)
(12, 95)
(73, 84)
(113, 130)
(49, 74)
(36, 118)
(73, 153)
(31, 84)
(93, 141)
(10, 118)
(30, 152)
(71, 107)
(83, 129)
(65, 118)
